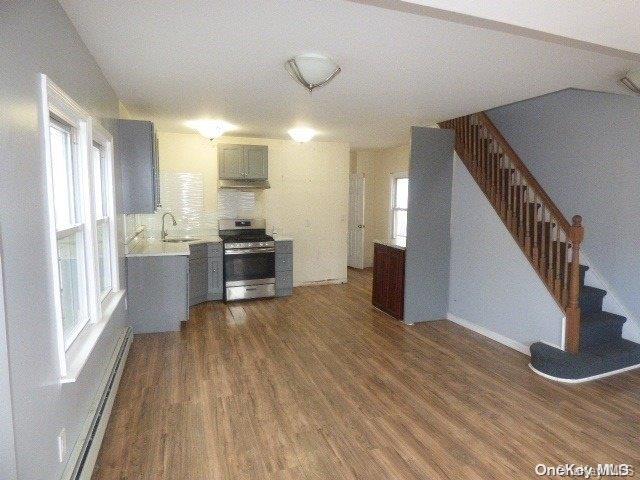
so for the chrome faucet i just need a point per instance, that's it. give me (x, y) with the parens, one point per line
(163, 232)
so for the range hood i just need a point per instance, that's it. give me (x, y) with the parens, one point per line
(244, 184)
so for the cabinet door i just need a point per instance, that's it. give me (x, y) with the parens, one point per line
(379, 297)
(197, 280)
(256, 162)
(135, 148)
(395, 278)
(215, 278)
(231, 162)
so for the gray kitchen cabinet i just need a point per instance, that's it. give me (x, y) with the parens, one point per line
(198, 271)
(243, 162)
(157, 292)
(215, 280)
(231, 162)
(284, 268)
(136, 147)
(205, 272)
(256, 162)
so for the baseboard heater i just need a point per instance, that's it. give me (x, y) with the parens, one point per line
(86, 451)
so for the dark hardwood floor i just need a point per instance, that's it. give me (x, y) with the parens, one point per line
(323, 386)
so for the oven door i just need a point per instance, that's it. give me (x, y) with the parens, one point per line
(249, 266)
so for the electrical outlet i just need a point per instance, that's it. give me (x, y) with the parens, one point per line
(62, 445)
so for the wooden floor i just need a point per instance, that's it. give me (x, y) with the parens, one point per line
(322, 386)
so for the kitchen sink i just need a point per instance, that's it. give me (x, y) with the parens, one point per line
(179, 239)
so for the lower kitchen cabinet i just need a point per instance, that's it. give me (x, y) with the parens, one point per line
(388, 279)
(284, 268)
(157, 292)
(205, 272)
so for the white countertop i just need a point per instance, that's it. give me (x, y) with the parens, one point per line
(153, 247)
(400, 244)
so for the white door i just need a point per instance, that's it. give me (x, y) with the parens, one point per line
(356, 220)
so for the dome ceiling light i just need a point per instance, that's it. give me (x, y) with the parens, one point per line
(301, 134)
(211, 129)
(312, 70)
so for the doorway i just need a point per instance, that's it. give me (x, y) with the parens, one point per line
(356, 220)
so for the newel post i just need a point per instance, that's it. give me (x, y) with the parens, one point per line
(572, 330)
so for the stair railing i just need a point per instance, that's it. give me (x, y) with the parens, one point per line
(547, 238)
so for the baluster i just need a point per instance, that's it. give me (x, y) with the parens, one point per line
(549, 276)
(565, 281)
(543, 241)
(522, 217)
(572, 330)
(556, 270)
(527, 225)
(535, 252)
(502, 183)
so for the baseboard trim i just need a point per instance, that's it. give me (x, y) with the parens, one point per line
(85, 454)
(585, 379)
(520, 347)
(329, 281)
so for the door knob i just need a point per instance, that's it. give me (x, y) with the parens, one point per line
(360, 226)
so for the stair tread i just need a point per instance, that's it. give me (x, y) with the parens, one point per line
(587, 290)
(593, 360)
(602, 317)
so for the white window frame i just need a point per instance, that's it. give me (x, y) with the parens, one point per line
(392, 203)
(103, 138)
(74, 351)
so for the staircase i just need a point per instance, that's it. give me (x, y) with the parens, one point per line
(594, 345)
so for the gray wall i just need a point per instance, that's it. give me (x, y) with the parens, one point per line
(38, 38)
(584, 149)
(493, 286)
(429, 215)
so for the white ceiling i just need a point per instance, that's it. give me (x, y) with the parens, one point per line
(172, 61)
(612, 24)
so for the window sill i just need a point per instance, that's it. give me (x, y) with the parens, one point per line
(80, 350)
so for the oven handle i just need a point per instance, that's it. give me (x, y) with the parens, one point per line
(243, 251)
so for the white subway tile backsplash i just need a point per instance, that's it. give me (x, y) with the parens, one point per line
(237, 204)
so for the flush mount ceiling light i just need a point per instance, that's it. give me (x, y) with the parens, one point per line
(211, 129)
(302, 134)
(312, 70)
(632, 81)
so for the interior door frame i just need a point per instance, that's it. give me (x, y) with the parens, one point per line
(357, 262)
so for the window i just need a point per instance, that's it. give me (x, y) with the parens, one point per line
(104, 224)
(70, 231)
(399, 202)
(81, 217)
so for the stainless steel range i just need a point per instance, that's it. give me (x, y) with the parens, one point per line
(249, 259)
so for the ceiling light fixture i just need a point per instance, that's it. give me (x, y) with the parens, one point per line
(302, 134)
(312, 70)
(211, 129)
(632, 81)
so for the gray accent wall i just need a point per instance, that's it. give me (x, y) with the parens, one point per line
(428, 225)
(37, 37)
(493, 287)
(583, 147)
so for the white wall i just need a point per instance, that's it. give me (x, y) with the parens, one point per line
(493, 287)
(37, 37)
(308, 199)
(583, 147)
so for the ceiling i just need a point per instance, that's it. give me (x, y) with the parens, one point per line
(174, 61)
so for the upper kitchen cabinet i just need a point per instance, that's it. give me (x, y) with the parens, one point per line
(243, 162)
(136, 146)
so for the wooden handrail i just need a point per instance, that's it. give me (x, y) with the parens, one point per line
(524, 171)
(547, 238)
